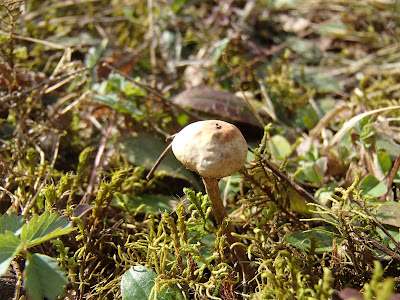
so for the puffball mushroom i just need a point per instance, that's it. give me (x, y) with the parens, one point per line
(214, 149)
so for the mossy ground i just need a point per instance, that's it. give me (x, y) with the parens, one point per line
(87, 99)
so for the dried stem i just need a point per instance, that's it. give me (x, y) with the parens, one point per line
(165, 152)
(97, 162)
(392, 176)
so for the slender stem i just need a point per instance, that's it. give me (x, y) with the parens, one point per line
(392, 176)
(165, 152)
(239, 253)
(87, 198)
(309, 198)
(213, 193)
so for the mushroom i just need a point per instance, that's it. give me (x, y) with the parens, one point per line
(214, 149)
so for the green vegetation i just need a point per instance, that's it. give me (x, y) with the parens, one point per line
(91, 93)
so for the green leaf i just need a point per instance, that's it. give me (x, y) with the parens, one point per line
(391, 148)
(117, 85)
(46, 227)
(10, 246)
(371, 186)
(281, 146)
(394, 232)
(321, 82)
(43, 277)
(323, 237)
(216, 55)
(139, 283)
(230, 186)
(315, 172)
(297, 202)
(150, 203)
(144, 149)
(386, 212)
(113, 101)
(335, 29)
(94, 54)
(384, 161)
(305, 48)
(325, 192)
(11, 222)
(120, 94)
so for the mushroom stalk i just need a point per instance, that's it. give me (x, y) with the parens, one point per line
(238, 252)
(212, 189)
(215, 149)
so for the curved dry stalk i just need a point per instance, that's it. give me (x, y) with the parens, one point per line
(350, 124)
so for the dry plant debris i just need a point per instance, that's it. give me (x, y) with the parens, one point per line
(91, 89)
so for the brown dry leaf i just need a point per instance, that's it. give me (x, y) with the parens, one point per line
(220, 104)
(124, 61)
(323, 123)
(335, 166)
(350, 173)
(349, 293)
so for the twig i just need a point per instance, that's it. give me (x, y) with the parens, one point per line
(14, 199)
(96, 164)
(310, 198)
(37, 41)
(377, 223)
(153, 43)
(392, 176)
(18, 274)
(43, 11)
(165, 152)
(362, 235)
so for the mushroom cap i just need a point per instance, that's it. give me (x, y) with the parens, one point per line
(212, 148)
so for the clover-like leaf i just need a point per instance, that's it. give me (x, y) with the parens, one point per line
(315, 172)
(371, 186)
(43, 277)
(11, 223)
(46, 227)
(10, 246)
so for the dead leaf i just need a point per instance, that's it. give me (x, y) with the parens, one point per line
(220, 104)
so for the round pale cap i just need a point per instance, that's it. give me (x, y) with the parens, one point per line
(212, 148)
